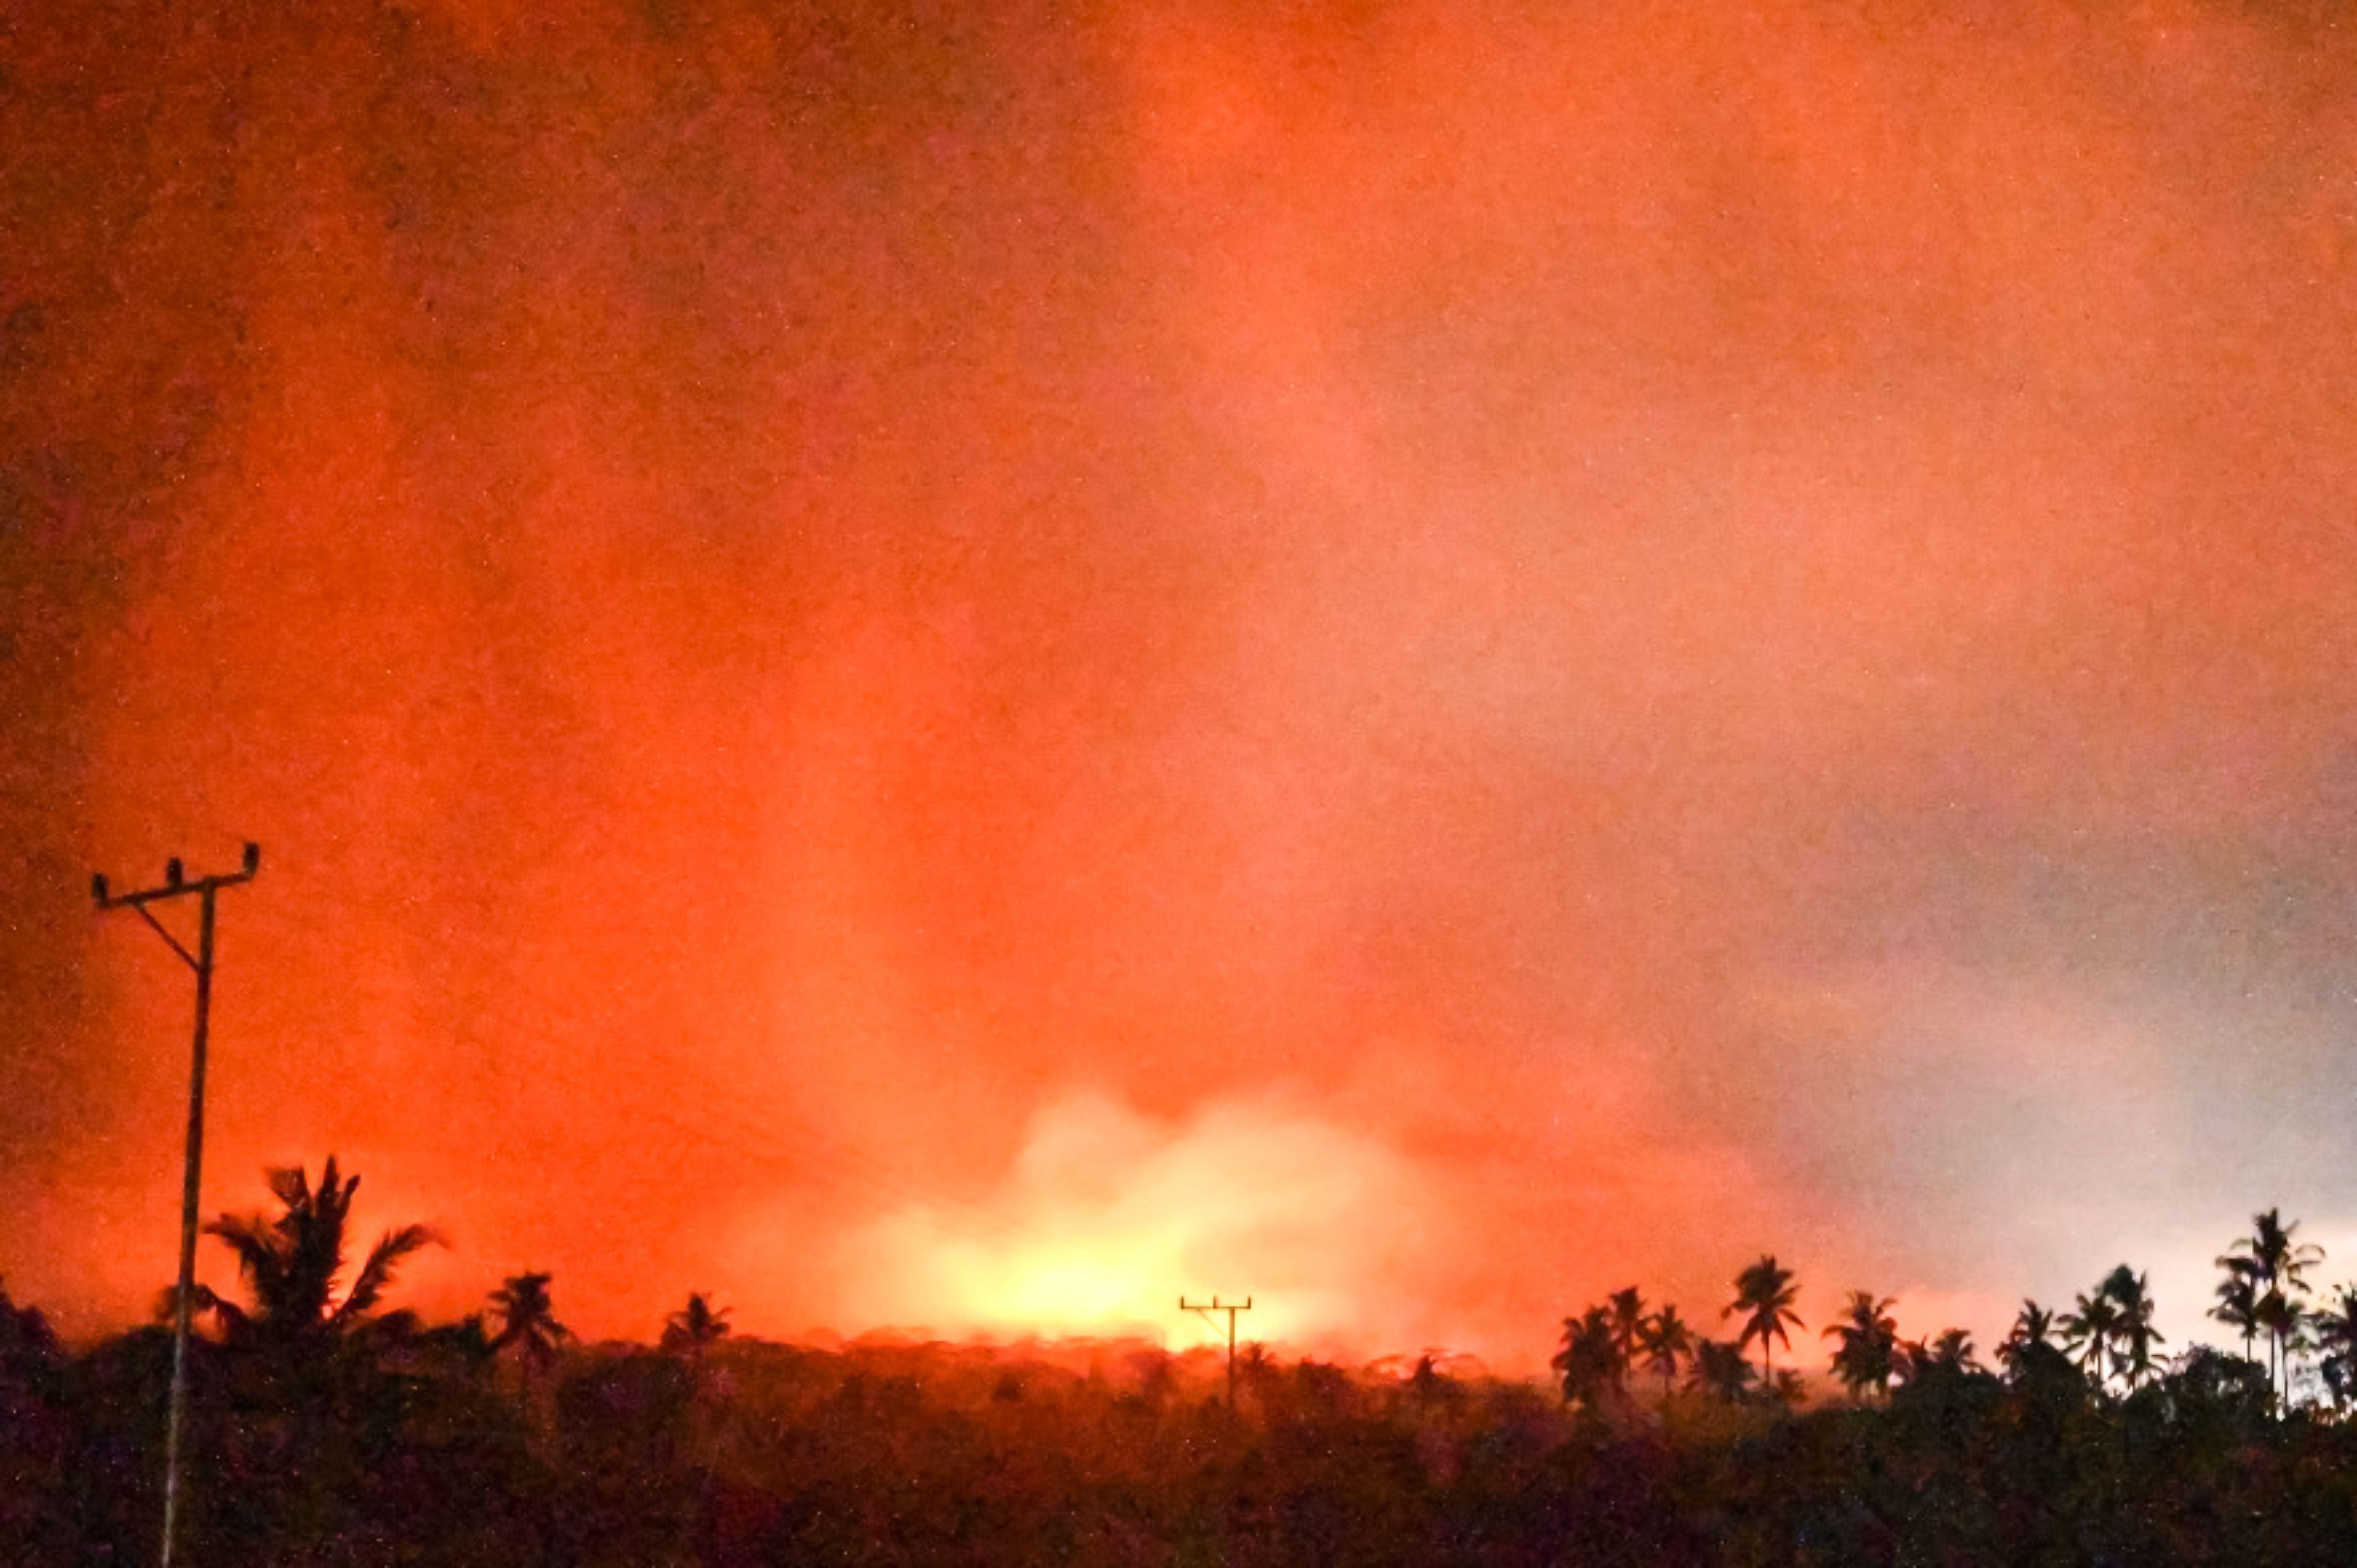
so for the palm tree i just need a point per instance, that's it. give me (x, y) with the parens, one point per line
(1628, 1310)
(2284, 1318)
(1869, 1343)
(1765, 1293)
(1720, 1371)
(694, 1326)
(2032, 1325)
(2238, 1299)
(2091, 1330)
(1947, 1360)
(1589, 1362)
(292, 1265)
(1952, 1351)
(528, 1320)
(2278, 1264)
(2029, 1346)
(2336, 1336)
(1665, 1338)
(2132, 1330)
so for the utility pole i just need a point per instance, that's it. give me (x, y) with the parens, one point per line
(1203, 1309)
(201, 961)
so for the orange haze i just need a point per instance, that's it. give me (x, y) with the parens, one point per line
(933, 664)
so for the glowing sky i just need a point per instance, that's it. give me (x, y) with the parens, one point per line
(921, 667)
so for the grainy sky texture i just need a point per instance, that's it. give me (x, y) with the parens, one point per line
(971, 665)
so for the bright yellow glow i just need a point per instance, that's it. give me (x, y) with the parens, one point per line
(1110, 1218)
(1067, 1286)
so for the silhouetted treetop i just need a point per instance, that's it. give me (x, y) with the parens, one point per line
(291, 1265)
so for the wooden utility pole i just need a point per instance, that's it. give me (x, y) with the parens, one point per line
(201, 961)
(1204, 1309)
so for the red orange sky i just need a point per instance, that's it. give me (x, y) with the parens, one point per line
(918, 667)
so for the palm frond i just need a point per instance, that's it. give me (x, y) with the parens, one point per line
(261, 1259)
(291, 1186)
(376, 1272)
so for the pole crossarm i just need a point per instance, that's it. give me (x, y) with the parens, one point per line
(1203, 1309)
(111, 900)
(205, 888)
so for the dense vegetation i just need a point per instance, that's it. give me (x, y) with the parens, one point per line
(325, 1432)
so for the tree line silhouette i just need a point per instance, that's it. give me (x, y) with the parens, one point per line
(329, 1427)
(2107, 1339)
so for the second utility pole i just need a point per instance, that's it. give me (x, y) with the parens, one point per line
(201, 961)
(1204, 1309)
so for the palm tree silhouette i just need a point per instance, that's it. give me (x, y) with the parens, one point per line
(1720, 1371)
(2132, 1328)
(1765, 1293)
(2335, 1337)
(1665, 1338)
(2030, 1343)
(2091, 1330)
(1589, 1362)
(2033, 1325)
(2277, 1264)
(2238, 1299)
(292, 1265)
(694, 1326)
(2284, 1319)
(1869, 1343)
(528, 1320)
(1952, 1351)
(1628, 1310)
(1946, 1360)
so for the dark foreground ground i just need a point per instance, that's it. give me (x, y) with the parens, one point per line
(421, 1449)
